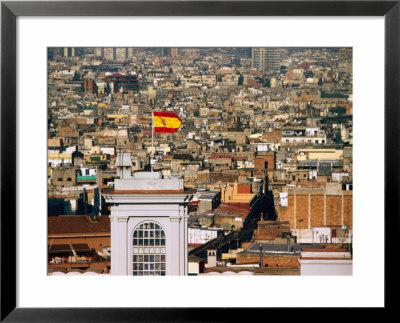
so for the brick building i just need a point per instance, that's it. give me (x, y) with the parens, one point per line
(266, 161)
(273, 255)
(308, 208)
(270, 230)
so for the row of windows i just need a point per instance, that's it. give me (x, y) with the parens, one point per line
(139, 250)
(149, 233)
(149, 266)
(148, 258)
(149, 242)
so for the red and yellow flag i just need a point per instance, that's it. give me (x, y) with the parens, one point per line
(166, 121)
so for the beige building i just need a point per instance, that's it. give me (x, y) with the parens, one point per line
(231, 194)
(315, 153)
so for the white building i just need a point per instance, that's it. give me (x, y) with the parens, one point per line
(326, 262)
(148, 226)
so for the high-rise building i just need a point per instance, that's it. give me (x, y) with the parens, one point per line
(99, 51)
(68, 51)
(244, 52)
(174, 51)
(51, 52)
(121, 54)
(110, 53)
(266, 59)
(166, 51)
(130, 51)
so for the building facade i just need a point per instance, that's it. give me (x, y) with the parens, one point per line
(266, 59)
(149, 225)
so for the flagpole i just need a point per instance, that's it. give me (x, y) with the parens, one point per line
(152, 140)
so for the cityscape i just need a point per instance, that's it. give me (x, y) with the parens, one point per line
(180, 161)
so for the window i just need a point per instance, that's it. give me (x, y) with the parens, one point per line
(60, 179)
(69, 179)
(148, 256)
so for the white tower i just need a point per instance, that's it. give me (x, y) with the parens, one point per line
(148, 225)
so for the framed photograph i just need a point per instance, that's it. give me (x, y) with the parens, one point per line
(269, 97)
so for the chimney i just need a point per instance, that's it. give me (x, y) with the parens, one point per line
(212, 258)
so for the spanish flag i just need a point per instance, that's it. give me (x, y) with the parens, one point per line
(166, 122)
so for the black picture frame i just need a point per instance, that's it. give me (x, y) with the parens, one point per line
(10, 10)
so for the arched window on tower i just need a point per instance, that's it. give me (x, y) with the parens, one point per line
(148, 250)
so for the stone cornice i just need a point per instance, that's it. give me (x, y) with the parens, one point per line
(146, 198)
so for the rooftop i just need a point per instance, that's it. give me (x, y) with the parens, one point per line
(64, 224)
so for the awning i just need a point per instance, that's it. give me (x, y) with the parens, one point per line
(81, 247)
(57, 248)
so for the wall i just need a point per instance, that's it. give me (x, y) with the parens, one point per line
(226, 221)
(63, 177)
(272, 136)
(269, 230)
(193, 268)
(269, 158)
(326, 267)
(309, 208)
(272, 260)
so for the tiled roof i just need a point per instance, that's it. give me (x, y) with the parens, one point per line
(64, 224)
(232, 210)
